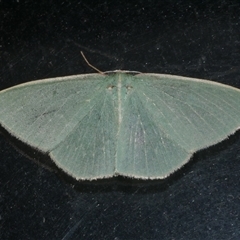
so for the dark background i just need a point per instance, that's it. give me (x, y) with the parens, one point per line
(195, 39)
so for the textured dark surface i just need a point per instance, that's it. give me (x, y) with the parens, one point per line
(39, 40)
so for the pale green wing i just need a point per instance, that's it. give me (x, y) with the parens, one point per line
(167, 118)
(71, 118)
(143, 125)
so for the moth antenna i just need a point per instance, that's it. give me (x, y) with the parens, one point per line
(90, 65)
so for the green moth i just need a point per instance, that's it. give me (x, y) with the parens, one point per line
(121, 122)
